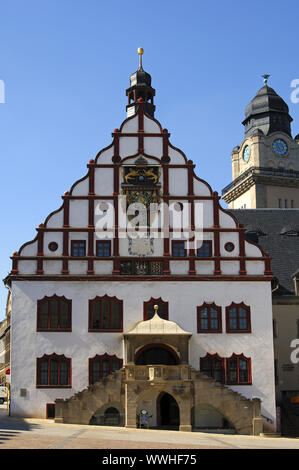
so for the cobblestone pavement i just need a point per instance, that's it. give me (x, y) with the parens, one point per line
(17, 433)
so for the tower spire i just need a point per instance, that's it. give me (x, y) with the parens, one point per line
(140, 82)
(140, 53)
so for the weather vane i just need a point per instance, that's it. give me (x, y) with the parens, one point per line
(140, 52)
(265, 77)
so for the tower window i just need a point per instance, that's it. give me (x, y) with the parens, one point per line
(279, 203)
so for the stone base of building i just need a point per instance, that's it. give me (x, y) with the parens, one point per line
(166, 397)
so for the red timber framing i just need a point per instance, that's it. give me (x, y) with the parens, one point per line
(165, 161)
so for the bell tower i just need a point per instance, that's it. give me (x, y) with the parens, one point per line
(265, 167)
(140, 82)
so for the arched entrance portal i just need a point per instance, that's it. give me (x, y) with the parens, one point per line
(168, 412)
(156, 354)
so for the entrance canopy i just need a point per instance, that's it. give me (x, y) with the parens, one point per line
(157, 330)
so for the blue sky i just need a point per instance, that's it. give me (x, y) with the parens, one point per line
(66, 65)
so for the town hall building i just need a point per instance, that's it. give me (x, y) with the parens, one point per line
(141, 296)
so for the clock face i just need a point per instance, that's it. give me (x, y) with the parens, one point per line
(246, 153)
(279, 146)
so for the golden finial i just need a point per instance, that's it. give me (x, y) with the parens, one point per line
(156, 308)
(140, 52)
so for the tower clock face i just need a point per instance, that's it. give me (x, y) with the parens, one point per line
(246, 153)
(279, 146)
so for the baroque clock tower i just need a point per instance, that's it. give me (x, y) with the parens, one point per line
(265, 168)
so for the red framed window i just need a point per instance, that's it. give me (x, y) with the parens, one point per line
(178, 248)
(54, 314)
(102, 366)
(78, 248)
(213, 365)
(53, 371)
(103, 248)
(105, 314)
(209, 318)
(238, 370)
(238, 318)
(205, 250)
(149, 311)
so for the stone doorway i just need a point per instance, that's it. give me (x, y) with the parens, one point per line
(168, 412)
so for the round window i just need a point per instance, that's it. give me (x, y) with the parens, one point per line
(229, 246)
(53, 246)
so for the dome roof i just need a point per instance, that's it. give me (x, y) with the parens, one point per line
(266, 113)
(264, 101)
(140, 77)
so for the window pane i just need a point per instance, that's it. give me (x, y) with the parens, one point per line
(116, 317)
(106, 314)
(233, 372)
(63, 372)
(243, 372)
(96, 371)
(54, 306)
(179, 248)
(243, 319)
(78, 248)
(161, 310)
(43, 314)
(207, 367)
(116, 364)
(214, 319)
(204, 251)
(44, 372)
(64, 314)
(106, 367)
(233, 318)
(103, 248)
(53, 372)
(95, 314)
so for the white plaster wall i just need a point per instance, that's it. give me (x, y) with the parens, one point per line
(52, 267)
(81, 188)
(226, 237)
(179, 267)
(178, 181)
(106, 156)
(200, 189)
(103, 267)
(27, 267)
(151, 126)
(79, 345)
(56, 220)
(131, 126)
(176, 158)
(230, 267)
(30, 249)
(53, 237)
(103, 181)
(153, 146)
(128, 146)
(78, 213)
(204, 267)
